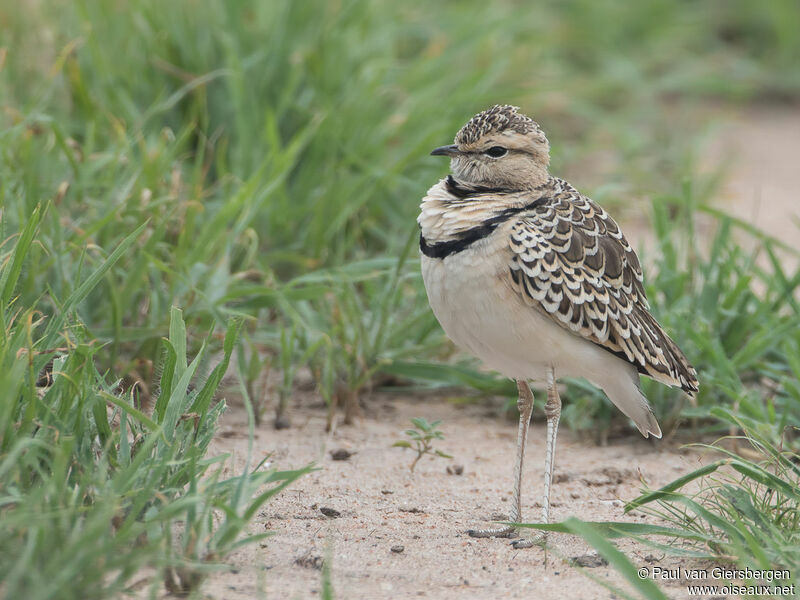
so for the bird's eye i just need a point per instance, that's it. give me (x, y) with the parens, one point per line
(496, 151)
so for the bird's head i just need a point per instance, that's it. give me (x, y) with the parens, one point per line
(499, 147)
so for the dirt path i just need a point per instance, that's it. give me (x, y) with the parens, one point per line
(384, 505)
(762, 148)
(759, 150)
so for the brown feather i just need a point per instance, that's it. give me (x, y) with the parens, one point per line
(571, 261)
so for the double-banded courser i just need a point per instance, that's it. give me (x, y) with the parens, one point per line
(538, 281)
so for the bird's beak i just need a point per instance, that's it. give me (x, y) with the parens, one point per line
(451, 150)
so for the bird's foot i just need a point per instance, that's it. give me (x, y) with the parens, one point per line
(530, 542)
(507, 532)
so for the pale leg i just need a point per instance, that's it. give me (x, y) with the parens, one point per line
(525, 405)
(552, 410)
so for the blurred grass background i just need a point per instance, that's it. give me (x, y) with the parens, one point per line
(271, 157)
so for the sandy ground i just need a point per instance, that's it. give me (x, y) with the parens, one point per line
(763, 150)
(759, 151)
(382, 505)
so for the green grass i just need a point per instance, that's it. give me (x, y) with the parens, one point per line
(734, 512)
(87, 471)
(746, 511)
(259, 165)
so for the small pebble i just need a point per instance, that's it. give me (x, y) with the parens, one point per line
(309, 561)
(398, 549)
(589, 561)
(341, 454)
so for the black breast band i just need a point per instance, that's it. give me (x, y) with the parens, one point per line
(466, 238)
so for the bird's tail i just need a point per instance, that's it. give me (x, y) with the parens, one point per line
(673, 368)
(623, 390)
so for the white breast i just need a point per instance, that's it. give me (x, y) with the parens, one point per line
(477, 308)
(480, 312)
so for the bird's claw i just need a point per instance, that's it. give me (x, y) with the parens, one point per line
(506, 532)
(529, 542)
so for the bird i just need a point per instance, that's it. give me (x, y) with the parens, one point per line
(538, 282)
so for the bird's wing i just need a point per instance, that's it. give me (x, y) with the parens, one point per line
(571, 261)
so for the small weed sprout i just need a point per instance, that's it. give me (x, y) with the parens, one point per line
(421, 437)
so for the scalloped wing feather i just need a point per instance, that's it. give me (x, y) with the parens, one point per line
(571, 261)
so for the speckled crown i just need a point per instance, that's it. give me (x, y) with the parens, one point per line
(496, 119)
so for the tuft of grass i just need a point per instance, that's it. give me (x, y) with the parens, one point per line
(85, 469)
(735, 511)
(745, 511)
(350, 324)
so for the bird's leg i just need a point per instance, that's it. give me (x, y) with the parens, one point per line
(525, 405)
(552, 410)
